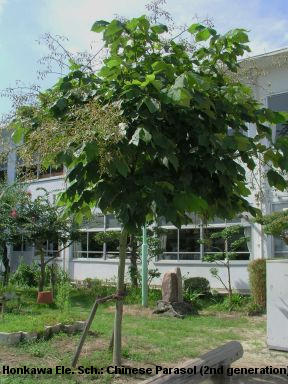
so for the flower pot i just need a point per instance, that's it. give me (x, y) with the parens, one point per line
(45, 297)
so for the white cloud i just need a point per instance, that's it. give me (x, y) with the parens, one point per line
(74, 18)
(267, 25)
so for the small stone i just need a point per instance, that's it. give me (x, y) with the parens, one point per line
(29, 336)
(80, 325)
(48, 331)
(57, 328)
(175, 309)
(10, 338)
(69, 329)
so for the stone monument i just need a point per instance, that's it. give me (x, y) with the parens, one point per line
(172, 303)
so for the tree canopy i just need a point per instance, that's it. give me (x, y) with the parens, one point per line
(178, 143)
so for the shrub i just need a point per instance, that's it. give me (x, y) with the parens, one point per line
(100, 288)
(257, 279)
(60, 276)
(254, 309)
(194, 299)
(197, 284)
(26, 275)
(63, 296)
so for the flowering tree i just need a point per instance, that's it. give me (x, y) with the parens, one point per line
(161, 147)
(38, 221)
(11, 197)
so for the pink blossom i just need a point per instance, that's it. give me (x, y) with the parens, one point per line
(13, 213)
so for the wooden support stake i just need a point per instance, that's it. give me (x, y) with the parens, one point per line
(84, 334)
(117, 296)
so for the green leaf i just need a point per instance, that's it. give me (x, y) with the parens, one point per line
(152, 104)
(140, 134)
(243, 142)
(276, 180)
(113, 28)
(189, 202)
(145, 135)
(180, 96)
(122, 167)
(173, 160)
(99, 26)
(60, 105)
(203, 35)
(18, 133)
(195, 28)
(132, 24)
(165, 185)
(238, 35)
(159, 28)
(113, 63)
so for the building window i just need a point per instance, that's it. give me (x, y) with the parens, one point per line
(21, 246)
(185, 244)
(218, 244)
(279, 103)
(189, 246)
(51, 248)
(88, 247)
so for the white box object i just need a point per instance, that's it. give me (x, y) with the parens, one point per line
(277, 304)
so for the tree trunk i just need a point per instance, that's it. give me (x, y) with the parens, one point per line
(6, 263)
(133, 259)
(228, 270)
(53, 279)
(229, 281)
(119, 303)
(42, 270)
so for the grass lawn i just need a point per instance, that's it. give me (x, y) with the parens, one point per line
(28, 316)
(148, 340)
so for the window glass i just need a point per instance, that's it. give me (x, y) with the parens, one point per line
(279, 103)
(95, 222)
(112, 248)
(112, 222)
(169, 242)
(51, 248)
(243, 247)
(80, 247)
(214, 245)
(20, 247)
(95, 248)
(218, 244)
(189, 245)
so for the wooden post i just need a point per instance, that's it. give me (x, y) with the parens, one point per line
(84, 334)
(119, 303)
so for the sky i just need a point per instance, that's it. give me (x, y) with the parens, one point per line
(22, 22)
